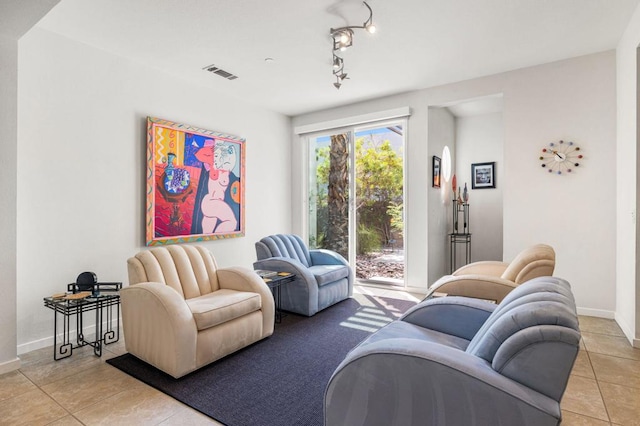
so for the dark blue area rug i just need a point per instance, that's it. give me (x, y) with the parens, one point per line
(279, 380)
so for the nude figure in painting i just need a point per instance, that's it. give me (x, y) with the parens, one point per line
(219, 159)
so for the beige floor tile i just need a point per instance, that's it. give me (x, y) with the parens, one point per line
(41, 369)
(138, 405)
(66, 421)
(610, 345)
(600, 326)
(115, 349)
(187, 416)
(583, 397)
(31, 408)
(89, 387)
(623, 403)
(573, 419)
(616, 370)
(582, 366)
(13, 384)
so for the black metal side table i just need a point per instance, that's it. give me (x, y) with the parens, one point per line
(107, 322)
(275, 282)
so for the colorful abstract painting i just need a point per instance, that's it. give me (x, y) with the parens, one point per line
(195, 184)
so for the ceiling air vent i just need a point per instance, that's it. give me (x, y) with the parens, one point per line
(222, 73)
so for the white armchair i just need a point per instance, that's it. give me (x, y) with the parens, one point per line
(180, 312)
(493, 280)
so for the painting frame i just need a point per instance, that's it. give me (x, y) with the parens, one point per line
(436, 175)
(195, 181)
(483, 175)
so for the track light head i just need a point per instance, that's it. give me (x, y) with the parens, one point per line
(343, 38)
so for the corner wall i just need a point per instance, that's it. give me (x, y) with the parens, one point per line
(81, 167)
(442, 132)
(480, 139)
(15, 19)
(8, 137)
(627, 238)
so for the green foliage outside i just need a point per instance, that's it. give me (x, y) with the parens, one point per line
(368, 240)
(379, 187)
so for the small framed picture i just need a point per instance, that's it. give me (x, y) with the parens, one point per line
(435, 180)
(483, 175)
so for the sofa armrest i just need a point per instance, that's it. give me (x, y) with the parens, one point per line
(159, 327)
(243, 279)
(396, 381)
(477, 286)
(488, 267)
(457, 316)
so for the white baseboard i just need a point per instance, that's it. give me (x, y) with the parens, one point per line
(36, 344)
(89, 332)
(599, 313)
(9, 366)
(627, 330)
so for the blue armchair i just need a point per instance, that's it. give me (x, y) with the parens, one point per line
(323, 277)
(463, 361)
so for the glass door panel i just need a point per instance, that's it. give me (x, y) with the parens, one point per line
(379, 203)
(329, 192)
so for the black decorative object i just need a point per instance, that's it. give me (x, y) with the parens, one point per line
(88, 281)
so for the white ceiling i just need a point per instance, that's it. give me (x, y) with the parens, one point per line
(419, 43)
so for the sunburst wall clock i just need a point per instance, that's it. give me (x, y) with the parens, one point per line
(561, 157)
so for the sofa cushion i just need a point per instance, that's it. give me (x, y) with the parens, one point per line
(222, 306)
(326, 274)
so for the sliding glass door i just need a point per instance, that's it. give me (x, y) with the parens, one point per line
(356, 198)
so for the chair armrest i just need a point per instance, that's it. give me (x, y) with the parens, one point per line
(457, 316)
(327, 257)
(398, 380)
(243, 279)
(488, 267)
(477, 286)
(159, 327)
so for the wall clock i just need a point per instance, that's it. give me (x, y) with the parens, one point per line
(560, 157)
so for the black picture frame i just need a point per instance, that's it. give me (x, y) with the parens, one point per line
(483, 175)
(436, 176)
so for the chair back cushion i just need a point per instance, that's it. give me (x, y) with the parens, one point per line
(280, 245)
(536, 261)
(189, 270)
(532, 337)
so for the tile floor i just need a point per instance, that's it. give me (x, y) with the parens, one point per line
(604, 388)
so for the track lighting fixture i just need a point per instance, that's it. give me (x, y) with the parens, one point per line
(342, 39)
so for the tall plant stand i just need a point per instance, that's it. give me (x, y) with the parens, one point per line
(461, 234)
(454, 240)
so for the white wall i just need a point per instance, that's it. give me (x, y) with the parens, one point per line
(572, 100)
(8, 138)
(480, 139)
(16, 18)
(81, 167)
(442, 132)
(627, 295)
